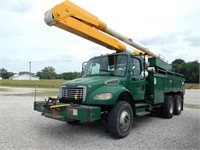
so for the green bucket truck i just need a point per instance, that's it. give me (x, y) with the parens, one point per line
(116, 87)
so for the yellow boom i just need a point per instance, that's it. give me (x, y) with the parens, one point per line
(76, 20)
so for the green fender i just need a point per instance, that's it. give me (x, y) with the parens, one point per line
(116, 90)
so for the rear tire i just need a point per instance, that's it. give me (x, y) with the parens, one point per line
(73, 122)
(168, 107)
(120, 119)
(158, 111)
(177, 104)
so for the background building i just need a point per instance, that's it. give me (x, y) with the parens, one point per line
(24, 77)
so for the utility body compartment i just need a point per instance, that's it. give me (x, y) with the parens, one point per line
(163, 81)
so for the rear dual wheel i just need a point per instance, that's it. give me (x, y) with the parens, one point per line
(168, 107)
(172, 106)
(177, 105)
(73, 122)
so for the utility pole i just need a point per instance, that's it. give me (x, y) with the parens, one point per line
(30, 72)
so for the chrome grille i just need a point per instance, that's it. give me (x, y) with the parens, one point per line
(74, 93)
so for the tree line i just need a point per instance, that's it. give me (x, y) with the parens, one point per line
(49, 73)
(46, 73)
(190, 70)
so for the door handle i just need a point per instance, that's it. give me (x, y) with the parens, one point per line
(143, 87)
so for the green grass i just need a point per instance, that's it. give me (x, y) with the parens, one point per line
(193, 106)
(57, 83)
(33, 83)
(192, 86)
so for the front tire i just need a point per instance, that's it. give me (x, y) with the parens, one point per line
(168, 107)
(120, 119)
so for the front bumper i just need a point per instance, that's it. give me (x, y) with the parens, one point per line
(67, 112)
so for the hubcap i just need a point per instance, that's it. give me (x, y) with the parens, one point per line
(125, 120)
(179, 105)
(170, 107)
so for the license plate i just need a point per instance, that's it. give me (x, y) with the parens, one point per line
(72, 111)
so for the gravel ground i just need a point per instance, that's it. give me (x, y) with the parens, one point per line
(192, 96)
(23, 128)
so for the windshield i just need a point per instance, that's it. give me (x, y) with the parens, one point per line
(111, 65)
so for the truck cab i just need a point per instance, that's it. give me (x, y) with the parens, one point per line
(104, 79)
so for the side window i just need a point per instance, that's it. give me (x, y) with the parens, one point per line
(136, 67)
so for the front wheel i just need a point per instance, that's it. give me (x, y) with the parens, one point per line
(120, 119)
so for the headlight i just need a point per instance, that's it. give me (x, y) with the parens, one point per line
(103, 96)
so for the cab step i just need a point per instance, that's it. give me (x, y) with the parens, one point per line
(142, 113)
(139, 105)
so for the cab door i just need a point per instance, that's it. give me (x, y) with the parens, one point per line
(137, 81)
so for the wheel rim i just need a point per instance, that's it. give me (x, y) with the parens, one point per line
(170, 107)
(179, 105)
(125, 120)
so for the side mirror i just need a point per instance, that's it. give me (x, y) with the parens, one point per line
(133, 68)
(144, 74)
(82, 72)
(83, 68)
(84, 65)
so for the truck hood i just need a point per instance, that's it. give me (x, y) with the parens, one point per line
(99, 84)
(93, 81)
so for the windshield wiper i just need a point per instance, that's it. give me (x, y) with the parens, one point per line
(104, 70)
(111, 73)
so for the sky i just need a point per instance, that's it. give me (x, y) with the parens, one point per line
(168, 27)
